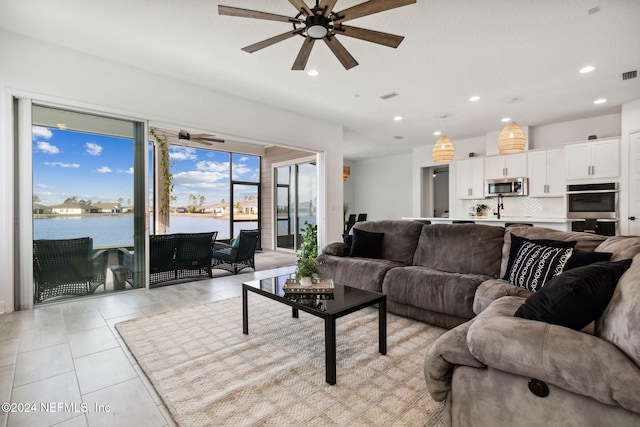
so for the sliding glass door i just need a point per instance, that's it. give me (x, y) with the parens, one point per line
(296, 202)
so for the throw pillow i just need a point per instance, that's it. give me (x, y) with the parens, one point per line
(517, 242)
(580, 258)
(535, 264)
(576, 297)
(366, 244)
(236, 242)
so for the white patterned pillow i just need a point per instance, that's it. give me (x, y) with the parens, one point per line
(535, 264)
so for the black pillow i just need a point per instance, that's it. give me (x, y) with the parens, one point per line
(580, 258)
(535, 264)
(576, 297)
(517, 242)
(348, 240)
(366, 244)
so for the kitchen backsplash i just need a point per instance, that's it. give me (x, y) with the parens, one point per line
(551, 207)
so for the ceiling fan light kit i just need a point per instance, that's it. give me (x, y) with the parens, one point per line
(321, 22)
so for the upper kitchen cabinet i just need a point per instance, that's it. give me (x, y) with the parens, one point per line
(507, 166)
(546, 173)
(470, 180)
(596, 159)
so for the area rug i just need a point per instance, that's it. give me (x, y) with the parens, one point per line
(208, 373)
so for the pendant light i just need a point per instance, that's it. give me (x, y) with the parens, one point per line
(443, 150)
(512, 139)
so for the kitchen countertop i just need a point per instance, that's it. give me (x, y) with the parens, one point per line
(491, 218)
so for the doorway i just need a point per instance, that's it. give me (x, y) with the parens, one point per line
(435, 192)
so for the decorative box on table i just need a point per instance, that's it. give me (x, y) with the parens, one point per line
(318, 286)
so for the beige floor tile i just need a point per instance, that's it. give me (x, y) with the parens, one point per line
(92, 341)
(42, 363)
(103, 369)
(128, 404)
(33, 339)
(81, 321)
(79, 421)
(59, 394)
(8, 351)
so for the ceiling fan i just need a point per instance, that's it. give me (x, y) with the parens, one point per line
(321, 22)
(201, 138)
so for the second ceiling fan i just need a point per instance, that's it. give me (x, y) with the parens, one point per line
(321, 22)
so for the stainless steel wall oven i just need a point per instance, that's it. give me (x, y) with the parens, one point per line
(593, 207)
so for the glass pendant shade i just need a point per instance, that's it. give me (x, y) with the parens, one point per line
(512, 139)
(443, 150)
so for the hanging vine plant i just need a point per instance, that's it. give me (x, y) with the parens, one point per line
(164, 171)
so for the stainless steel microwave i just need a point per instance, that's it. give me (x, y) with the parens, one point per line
(507, 187)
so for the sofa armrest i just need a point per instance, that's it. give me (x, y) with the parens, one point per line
(575, 361)
(448, 350)
(491, 290)
(335, 248)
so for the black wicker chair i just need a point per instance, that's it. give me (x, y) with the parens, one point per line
(162, 257)
(236, 258)
(67, 267)
(193, 254)
(350, 223)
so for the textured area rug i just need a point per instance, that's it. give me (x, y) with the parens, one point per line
(208, 372)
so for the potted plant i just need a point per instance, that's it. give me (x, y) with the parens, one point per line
(480, 208)
(307, 267)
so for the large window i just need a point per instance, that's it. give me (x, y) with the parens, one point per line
(214, 191)
(296, 202)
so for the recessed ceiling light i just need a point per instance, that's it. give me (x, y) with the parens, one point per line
(312, 73)
(505, 119)
(437, 133)
(587, 69)
(397, 118)
(600, 101)
(474, 98)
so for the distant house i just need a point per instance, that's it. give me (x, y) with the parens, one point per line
(71, 209)
(41, 209)
(217, 209)
(106, 208)
(248, 207)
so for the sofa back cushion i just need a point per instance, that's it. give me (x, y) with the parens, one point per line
(584, 241)
(461, 248)
(620, 322)
(400, 238)
(621, 247)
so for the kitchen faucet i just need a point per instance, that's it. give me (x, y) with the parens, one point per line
(500, 204)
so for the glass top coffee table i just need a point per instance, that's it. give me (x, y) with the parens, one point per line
(344, 300)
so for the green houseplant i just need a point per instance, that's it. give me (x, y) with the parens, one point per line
(307, 267)
(480, 208)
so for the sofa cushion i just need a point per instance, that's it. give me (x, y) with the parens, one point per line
(461, 248)
(433, 290)
(362, 273)
(619, 324)
(402, 238)
(584, 241)
(366, 244)
(517, 242)
(622, 247)
(533, 265)
(492, 289)
(576, 297)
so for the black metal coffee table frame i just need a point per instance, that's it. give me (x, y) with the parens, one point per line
(335, 310)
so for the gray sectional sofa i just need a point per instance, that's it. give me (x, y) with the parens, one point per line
(491, 368)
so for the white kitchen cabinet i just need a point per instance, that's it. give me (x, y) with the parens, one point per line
(470, 178)
(596, 159)
(507, 166)
(546, 173)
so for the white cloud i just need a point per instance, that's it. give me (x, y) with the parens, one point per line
(93, 148)
(104, 169)
(42, 186)
(244, 159)
(45, 147)
(201, 180)
(40, 132)
(62, 165)
(129, 171)
(208, 166)
(182, 153)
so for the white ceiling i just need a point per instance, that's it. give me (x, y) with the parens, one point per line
(453, 49)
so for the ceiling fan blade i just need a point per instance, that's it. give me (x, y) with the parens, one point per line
(273, 40)
(246, 13)
(340, 52)
(208, 140)
(369, 8)
(328, 6)
(301, 6)
(303, 54)
(385, 39)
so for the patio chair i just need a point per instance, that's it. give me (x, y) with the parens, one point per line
(193, 253)
(350, 222)
(67, 267)
(362, 217)
(239, 256)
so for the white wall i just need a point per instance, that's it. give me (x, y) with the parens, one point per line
(49, 73)
(573, 131)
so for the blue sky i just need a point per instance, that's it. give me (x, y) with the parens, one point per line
(100, 168)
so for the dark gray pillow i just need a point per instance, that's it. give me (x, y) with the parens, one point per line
(366, 244)
(576, 297)
(581, 258)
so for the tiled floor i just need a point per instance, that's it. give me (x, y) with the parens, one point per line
(64, 364)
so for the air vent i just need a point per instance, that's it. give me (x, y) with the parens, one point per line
(399, 137)
(630, 75)
(389, 95)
